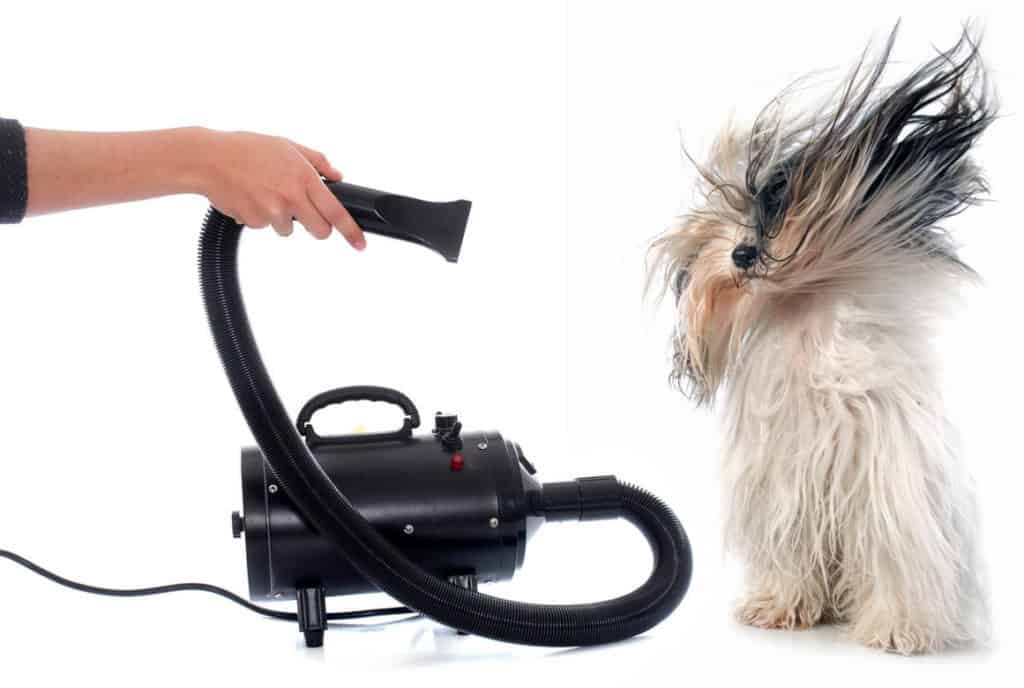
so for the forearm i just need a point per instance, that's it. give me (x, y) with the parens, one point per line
(68, 169)
(258, 180)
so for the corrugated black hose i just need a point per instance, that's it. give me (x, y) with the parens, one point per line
(326, 508)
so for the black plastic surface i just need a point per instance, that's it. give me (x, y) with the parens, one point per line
(437, 226)
(395, 485)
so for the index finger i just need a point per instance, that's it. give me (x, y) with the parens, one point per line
(335, 213)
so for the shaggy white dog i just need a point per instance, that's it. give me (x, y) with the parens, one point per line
(808, 284)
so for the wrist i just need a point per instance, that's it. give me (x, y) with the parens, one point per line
(192, 168)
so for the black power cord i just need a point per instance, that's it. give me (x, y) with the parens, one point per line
(195, 587)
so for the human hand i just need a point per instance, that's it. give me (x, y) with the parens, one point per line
(265, 181)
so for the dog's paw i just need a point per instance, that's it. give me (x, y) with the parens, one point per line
(902, 639)
(766, 611)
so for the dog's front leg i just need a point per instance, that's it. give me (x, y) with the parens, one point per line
(778, 540)
(778, 599)
(910, 579)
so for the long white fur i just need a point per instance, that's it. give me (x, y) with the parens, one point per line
(846, 496)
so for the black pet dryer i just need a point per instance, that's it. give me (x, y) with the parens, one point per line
(422, 517)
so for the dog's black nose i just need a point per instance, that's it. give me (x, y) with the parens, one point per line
(744, 256)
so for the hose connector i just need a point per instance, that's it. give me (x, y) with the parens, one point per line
(584, 499)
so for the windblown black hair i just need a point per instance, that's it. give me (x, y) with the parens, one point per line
(912, 137)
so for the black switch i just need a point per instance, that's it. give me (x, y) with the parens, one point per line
(443, 422)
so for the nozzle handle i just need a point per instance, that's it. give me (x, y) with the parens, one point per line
(437, 226)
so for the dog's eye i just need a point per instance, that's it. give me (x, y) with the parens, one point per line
(744, 255)
(772, 198)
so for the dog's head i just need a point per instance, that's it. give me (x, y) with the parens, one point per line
(837, 200)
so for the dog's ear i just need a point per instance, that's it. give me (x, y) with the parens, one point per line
(693, 260)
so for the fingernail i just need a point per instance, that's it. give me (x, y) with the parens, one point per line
(360, 244)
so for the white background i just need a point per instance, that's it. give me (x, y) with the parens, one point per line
(562, 125)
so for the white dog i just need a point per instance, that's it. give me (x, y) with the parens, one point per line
(808, 284)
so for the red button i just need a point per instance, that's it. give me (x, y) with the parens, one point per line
(458, 463)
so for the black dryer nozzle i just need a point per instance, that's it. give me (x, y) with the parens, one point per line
(437, 226)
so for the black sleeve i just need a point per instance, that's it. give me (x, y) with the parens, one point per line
(13, 171)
